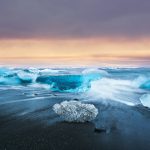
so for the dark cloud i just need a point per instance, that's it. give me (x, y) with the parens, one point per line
(74, 18)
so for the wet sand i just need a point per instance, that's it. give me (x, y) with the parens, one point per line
(28, 135)
(32, 125)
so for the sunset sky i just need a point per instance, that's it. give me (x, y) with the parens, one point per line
(75, 32)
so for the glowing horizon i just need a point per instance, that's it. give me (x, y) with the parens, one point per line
(83, 51)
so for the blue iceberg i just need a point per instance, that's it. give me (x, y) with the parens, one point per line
(145, 100)
(69, 83)
(57, 80)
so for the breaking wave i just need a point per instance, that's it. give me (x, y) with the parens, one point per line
(124, 91)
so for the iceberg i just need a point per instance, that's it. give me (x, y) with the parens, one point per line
(9, 80)
(58, 80)
(26, 77)
(69, 83)
(75, 111)
(145, 100)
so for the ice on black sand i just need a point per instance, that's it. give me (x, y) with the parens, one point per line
(75, 111)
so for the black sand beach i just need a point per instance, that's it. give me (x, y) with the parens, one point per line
(32, 125)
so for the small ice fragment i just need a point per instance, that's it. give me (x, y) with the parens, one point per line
(75, 111)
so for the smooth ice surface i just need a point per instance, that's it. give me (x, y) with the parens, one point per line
(145, 100)
(74, 111)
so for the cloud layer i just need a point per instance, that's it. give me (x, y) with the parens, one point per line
(74, 18)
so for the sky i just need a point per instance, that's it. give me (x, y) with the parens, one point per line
(75, 32)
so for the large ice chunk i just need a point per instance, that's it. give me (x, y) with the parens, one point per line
(74, 111)
(27, 77)
(145, 100)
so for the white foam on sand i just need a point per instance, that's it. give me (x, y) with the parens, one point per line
(74, 111)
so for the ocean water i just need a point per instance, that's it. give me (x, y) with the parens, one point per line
(127, 85)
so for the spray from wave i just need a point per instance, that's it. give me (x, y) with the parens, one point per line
(122, 91)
